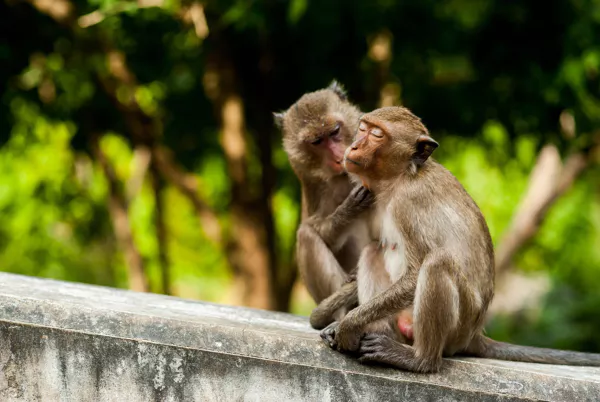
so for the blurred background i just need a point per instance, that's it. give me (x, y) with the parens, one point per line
(137, 147)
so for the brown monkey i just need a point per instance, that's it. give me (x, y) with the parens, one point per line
(436, 258)
(317, 129)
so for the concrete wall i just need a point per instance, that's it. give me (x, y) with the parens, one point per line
(70, 342)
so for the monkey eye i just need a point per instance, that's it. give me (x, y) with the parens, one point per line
(377, 132)
(317, 141)
(335, 131)
(362, 126)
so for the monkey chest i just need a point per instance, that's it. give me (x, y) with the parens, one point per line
(392, 246)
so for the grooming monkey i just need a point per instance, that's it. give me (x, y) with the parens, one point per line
(435, 262)
(317, 129)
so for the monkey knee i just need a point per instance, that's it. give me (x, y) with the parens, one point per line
(436, 311)
(437, 293)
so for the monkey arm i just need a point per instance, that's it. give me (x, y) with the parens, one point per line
(324, 313)
(330, 227)
(397, 297)
(321, 271)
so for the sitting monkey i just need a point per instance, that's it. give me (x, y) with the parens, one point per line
(431, 278)
(317, 129)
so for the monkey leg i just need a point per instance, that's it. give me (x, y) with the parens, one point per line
(320, 270)
(371, 279)
(436, 313)
(322, 274)
(336, 304)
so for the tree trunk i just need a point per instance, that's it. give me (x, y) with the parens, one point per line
(117, 207)
(161, 231)
(248, 248)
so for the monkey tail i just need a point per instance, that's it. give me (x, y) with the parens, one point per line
(485, 347)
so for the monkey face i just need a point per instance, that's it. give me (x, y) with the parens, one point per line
(326, 144)
(369, 148)
(317, 130)
(389, 141)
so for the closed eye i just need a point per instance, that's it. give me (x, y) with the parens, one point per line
(335, 131)
(317, 141)
(377, 132)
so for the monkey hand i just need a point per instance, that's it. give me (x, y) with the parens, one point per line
(347, 336)
(328, 228)
(359, 200)
(331, 336)
(328, 335)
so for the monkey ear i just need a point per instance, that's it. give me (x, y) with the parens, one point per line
(425, 147)
(278, 118)
(338, 89)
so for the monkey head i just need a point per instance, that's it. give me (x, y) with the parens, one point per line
(317, 129)
(389, 142)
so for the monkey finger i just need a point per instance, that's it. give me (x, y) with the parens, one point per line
(372, 350)
(364, 193)
(359, 199)
(374, 343)
(374, 358)
(328, 335)
(368, 198)
(359, 193)
(329, 340)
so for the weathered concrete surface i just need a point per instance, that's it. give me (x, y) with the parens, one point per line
(71, 342)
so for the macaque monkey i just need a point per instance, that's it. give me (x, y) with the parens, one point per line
(317, 129)
(432, 274)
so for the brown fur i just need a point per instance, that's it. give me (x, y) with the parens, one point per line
(441, 264)
(316, 131)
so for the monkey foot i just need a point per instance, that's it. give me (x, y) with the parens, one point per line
(376, 348)
(328, 335)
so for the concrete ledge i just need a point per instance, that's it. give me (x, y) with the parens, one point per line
(71, 342)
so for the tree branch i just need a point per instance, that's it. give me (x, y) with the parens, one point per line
(549, 180)
(187, 184)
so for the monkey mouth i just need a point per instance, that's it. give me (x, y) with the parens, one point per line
(336, 166)
(352, 161)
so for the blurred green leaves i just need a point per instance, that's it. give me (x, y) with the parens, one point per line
(296, 10)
